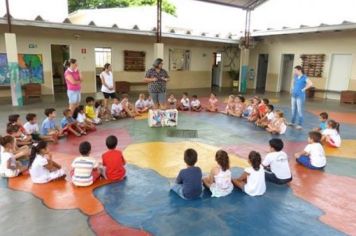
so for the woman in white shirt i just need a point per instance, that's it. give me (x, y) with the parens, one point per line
(313, 156)
(42, 168)
(107, 84)
(252, 181)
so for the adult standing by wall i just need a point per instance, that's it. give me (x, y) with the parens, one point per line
(157, 78)
(300, 84)
(73, 80)
(107, 84)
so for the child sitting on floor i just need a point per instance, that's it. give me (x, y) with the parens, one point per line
(248, 109)
(117, 110)
(323, 117)
(83, 122)
(252, 181)
(85, 168)
(68, 124)
(239, 106)
(313, 156)
(9, 167)
(128, 108)
(172, 102)
(331, 134)
(254, 115)
(262, 107)
(195, 104)
(213, 103)
(42, 168)
(32, 128)
(278, 125)
(267, 118)
(230, 106)
(276, 163)
(140, 104)
(48, 127)
(149, 104)
(24, 138)
(113, 161)
(102, 112)
(22, 152)
(219, 179)
(90, 110)
(188, 184)
(184, 103)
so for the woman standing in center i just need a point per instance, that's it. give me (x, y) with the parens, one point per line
(157, 78)
(107, 84)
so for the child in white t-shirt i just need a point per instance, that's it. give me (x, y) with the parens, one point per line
(140, 104)
(83, 121)
(252, 181)
(9, 167)
(276, 163)
(219, 179)
(32, 128)
(172, 102)
(230, 106)
(117, 110)
(184, 103)
(278, 124)
(149, 104)
(195, 104)
(331, 134)
(42, 168)
(268, 118)
(313, 156)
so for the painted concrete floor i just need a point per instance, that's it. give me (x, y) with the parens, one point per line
(314, 203)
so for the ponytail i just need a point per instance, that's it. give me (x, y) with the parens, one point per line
(335, 125)
(75, 113)
(36, 150)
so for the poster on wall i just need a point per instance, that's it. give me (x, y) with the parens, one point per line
(30, 69)
(179, 59)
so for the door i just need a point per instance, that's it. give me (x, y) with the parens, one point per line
(340, 74)
(59, 54)
(286, 72)
(215, 81)
(262, 72)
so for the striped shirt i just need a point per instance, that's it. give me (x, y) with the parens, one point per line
(82, 170)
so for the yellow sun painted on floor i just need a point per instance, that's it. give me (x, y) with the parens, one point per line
(347, 149)
(143, 116)
(167, 158)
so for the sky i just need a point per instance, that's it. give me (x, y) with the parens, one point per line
(214, 18)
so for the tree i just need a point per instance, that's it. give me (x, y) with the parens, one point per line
(74, 5)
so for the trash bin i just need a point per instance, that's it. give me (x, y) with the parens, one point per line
(311, 92)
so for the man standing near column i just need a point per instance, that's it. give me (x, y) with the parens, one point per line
(300, 84)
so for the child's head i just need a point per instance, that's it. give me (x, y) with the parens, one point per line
(171, 96)
(254, 158)
(314, 137)
(149, 98)
(84, 148)
(222, 158)
(111, 142)
(270, 108)
(7, 142)
(50, 112)
(256, 100)
(332, 124)
(190, 157)
(231, 98)
(276, 144)
(240, 98)
(116, 101)
(194, 97)
(279, 114)
(212, 95)
(40, 148)
(81, 109)
(265, 101)
(323, 116)
(142, 96)
(67, 113)
(99, 103)
(32, 118)
(185, 95)
(90, 101)
(14, 119)
(13, 130)
(125, 97)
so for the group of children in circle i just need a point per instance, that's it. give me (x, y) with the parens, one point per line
(16, 145)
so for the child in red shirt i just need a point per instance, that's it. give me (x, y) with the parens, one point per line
(113, 161)
(262, 107)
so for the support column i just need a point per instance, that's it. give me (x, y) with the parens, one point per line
(13, 67)
(158, 50)
(158, 47)
(244, 61)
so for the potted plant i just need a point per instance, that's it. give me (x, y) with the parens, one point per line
(234, 75)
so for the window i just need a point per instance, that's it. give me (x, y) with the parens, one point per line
(134, 60)
(179, 59)
(102, 56)
(313, 64)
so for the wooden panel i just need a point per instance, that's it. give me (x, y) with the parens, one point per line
(313, 64)
(134, 60)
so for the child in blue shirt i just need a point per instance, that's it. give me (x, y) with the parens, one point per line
(49, 126)
(189, 181)
(323, 117)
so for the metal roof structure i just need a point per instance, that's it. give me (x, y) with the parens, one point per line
(243, 4)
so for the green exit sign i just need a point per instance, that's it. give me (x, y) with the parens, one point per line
(32, 45)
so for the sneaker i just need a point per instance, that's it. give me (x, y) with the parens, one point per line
(298, 127)
(290, 124)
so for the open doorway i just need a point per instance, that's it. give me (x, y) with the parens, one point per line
(59, 53)
(286, 72)
(102, 56)
(262, 73)
(216, 70)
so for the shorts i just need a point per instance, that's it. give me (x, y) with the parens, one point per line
(305, 161)
(178, 189)
(74, 96)
(271, 177)
(158, 98)
(10, 173)
(109, 95)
